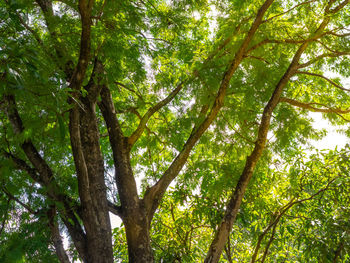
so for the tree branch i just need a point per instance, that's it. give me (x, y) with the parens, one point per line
(44, 175)
(31, 152)
(47, 9)
(22, 165)
(325, 55)
(281, 212)
(154, 194)
(114, 209)
(308, 106)
(235, 201)
(6, 215)
(85, 7)
(139, 130)
(291, 9)
(339, 7)
(120, 148)
(56, 237)
(11, 196)
(323, 77)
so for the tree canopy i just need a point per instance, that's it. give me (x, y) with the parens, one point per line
(189, 120)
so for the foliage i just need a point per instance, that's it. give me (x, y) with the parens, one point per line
(187, 137)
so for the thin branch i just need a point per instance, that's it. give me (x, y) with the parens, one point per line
(11, 196)
(22, 165)
(138, 132)
(282, 211)
(61, 52)
(114, 209)
(129, 89)
(308, 106)
(26, 26)
(322, 56)
(291, 9)
(323, 77)
(6, 215)
(272, 237)
(258, 58)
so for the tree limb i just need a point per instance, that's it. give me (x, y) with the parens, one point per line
(235, 200)
(31, 152)
(291, 9)
(85, 7)
(339, 7)
(45, 174)
(325, 55)
(139, 130)
(114, 209)
(56, 237)
(154, 194)
(281, 212)
(323, 77)
(308, 106)
(22, 165)
(11, 196)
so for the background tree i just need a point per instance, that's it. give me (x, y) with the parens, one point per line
(177, 93)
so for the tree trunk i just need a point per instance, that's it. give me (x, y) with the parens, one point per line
(96, 218)
(138, 236)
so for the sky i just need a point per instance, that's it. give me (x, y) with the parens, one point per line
(332, 139)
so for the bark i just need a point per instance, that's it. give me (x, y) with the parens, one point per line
(84, 135)
(92, 188)
(56, 237)
(338, 252)
(137, 235)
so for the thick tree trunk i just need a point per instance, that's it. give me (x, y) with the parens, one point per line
(138, 236)
(96, 218)
(135, 219)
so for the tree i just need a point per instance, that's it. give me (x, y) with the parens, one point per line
(91, 88)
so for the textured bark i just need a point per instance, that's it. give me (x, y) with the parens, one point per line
(137, 235)
(56, 237)
(94, 203)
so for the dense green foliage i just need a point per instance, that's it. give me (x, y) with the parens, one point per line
(296, 207)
